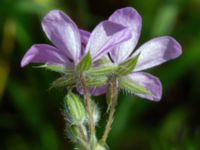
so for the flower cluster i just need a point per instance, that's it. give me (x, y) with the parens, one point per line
(101, 61)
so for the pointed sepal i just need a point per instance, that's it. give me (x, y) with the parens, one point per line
(131, 87)
(56, 68)
(102, 70)
(94, 81)
(64, 81)
(127, 66)
(85, 63)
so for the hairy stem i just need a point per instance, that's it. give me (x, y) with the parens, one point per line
(82, 144)
(113, 100)
(82, 134)
(91, 125)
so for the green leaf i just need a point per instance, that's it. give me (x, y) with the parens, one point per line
(128, 66)
(85, 63)
(129, 86)
(102, 70)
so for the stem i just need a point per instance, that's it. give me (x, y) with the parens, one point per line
(114, 93)
(91, 125)
(83, 144)
(82, 134)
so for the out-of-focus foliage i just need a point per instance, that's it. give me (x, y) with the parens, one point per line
(31, 114)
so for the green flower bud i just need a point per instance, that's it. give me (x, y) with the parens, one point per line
(73, 132)
(74, 109)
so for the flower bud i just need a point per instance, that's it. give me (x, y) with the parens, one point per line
(73, 132)
(74, 109)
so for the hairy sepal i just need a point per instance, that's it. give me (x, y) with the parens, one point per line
(131, 87)
(85, 63)
(64, 81)
(94, 81)
(127, 67)
(56, 68)
(102, 70)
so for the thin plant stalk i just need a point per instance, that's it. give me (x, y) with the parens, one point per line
(83, 144)
(82, 134)
(91, 125)
(112, 98)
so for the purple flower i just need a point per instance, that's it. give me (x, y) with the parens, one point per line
(71, 44)
(152, 53)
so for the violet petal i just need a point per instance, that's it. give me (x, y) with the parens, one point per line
(43, 53)
(84, 36)
(130, 18)
(64, 34)
(84, 39)
(94, 91)
(105, 37)
(150, 83)
(156, 52)
(98, 91)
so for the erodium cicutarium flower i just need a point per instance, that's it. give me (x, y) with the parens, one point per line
(99, 62)
(152, 53)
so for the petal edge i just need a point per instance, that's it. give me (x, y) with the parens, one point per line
(149, 82)
(43, 53)
(105, 37)
(156, 52)
(128, 17)
(64, 34)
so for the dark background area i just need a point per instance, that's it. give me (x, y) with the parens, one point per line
(30, 113)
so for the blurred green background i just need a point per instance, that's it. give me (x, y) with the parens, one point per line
(31, 114)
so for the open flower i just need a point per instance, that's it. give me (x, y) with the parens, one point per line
(71, 44)
(151, 53)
